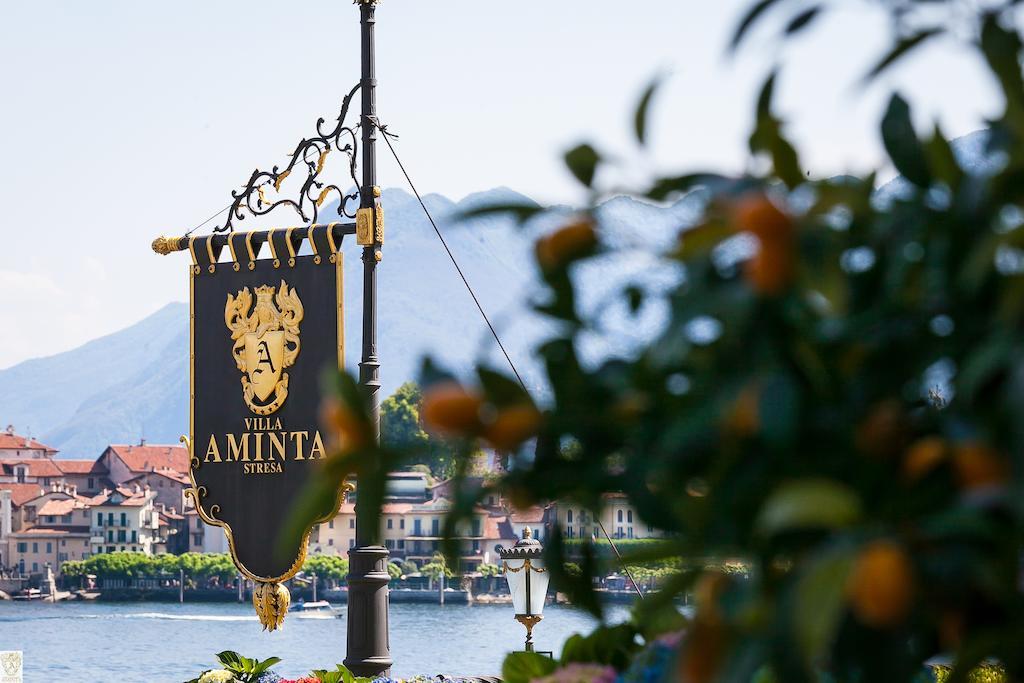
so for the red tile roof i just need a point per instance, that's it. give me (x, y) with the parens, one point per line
(532, 515)
(42, 467)
(81, 467)
(152, 458)
(22, 493)
(56, 508)
(11, 441)
(170, 474)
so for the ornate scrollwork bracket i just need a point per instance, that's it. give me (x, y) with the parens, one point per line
(310, 155)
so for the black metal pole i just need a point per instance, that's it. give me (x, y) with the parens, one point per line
(368, 651)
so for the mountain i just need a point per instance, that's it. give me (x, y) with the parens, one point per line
(134, 383)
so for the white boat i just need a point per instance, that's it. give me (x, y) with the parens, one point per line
(321, 609)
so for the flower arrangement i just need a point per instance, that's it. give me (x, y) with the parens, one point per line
(239, 669)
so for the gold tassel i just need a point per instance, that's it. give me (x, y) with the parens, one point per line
(271, 601)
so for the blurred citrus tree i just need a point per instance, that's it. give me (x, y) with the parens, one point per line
(835, 400)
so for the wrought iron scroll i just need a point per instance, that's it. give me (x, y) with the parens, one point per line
(310, 154)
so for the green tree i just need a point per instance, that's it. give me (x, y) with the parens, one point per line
(402, 428)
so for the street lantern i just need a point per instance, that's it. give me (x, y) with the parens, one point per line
(527, 578)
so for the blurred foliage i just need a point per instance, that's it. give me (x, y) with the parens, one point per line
(834, 400)
(401, 427)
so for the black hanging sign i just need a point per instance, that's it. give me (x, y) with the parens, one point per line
(263, 331)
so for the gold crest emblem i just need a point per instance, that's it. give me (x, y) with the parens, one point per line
(266, 343)
(11, 663)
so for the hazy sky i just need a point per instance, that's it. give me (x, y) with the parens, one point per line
(120, 121)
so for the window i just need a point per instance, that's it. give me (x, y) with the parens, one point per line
(389, 544)
(330, 524)
(352, 523)
(20, 474)
(351, 543)
(99, 519)
(629, 531)
(66, 519)
(122, 549)
(22, 547)
(569, 518)
(416, 530)
(330, 541)
(121, 535)
(63, 542)
(476, 527)
(35, 547)
(124, 519)
(49, 547)
(390, 523)
(110, 536)
(401, 523)
(35, 566)
(134, 536)
(401, 544)
(92, 483)
(435, 526)
(618, 532)
(568, 532)
(476, 546)
(111, 548)
(629, 516)
(110, 519)
(490, 501)
(620, 517)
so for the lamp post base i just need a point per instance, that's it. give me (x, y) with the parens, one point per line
(369, 652)
(529, 621)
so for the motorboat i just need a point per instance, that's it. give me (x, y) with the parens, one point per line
(319, 609)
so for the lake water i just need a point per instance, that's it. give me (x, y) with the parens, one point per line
(141, 642)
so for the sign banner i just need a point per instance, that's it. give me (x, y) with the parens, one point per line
(262, 334)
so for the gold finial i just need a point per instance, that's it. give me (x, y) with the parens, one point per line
(527, 532)
(166, 245)
(271, 602)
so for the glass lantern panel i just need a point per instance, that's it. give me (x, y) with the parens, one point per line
(516, 584)
(538, 587)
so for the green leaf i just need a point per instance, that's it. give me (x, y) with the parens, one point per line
(523, 667)
(1002, 52)
(752, 15)
(522, 211)
(611, 645)
(640, 117)
(819, 603)
(809, 504)
(941, 159)
(582, 162)
(232, 661)
(901, 48)
(698, 241)
(767, 138)
(663, 188)
(901, 143)
(803, 20)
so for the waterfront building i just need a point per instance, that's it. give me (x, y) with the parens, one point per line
(31, 550)
(126, 463)
(125, 520)
(16, 447)
(89, 477)
(49, 529)
(202, 537)
(412, 523)
(619, 518)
